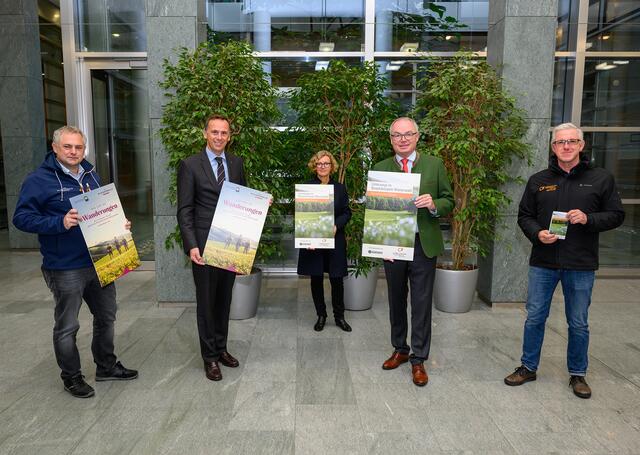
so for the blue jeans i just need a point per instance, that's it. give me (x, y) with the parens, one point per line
(576, 287)
(69, 288)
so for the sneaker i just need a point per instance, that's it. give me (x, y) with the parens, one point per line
(520, 376)
(580, 387)
(117, 373)
(77, 387)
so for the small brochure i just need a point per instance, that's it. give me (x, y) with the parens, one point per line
(559, 224)
(102, 222)
(390, 217)
(314, 219)
(236, 228)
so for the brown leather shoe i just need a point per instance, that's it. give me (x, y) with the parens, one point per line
(228, 360)
(212, 370)
(420, 377)
(580, 387)
(395, 361)
(520, 376)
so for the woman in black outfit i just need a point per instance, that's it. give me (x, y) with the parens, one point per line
(315, 262)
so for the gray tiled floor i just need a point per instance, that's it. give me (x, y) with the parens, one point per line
(298, 391)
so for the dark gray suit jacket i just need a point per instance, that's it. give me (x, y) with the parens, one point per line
(198, 192)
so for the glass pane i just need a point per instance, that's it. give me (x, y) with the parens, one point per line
(110, 25)
(615, 27)
(121, 138)
(402, 25)
(611, 93)
(620, 154)
(566, 29)
(55, 113)
(289, 25)
(285, 73)
(563, 73)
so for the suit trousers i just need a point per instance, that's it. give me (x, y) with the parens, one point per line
(337, 296)
(213, 301)
(420, 275)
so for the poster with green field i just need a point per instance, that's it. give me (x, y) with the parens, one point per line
(559, 224)
(236, 228)
(314, 219)
(390, 217)
(102, 222)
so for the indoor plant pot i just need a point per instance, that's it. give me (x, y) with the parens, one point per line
(246, 295)
(360, 290)
(453, 290)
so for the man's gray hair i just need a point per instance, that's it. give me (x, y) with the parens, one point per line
(415, 125)
(68, 129)
(566, 126)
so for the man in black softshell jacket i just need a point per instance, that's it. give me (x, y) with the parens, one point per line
(589, 202)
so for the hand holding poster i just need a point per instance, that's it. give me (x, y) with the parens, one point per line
(236, 228)
(390, 217)
(102, 223)
(314, 219)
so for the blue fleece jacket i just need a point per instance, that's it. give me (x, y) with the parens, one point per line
(42, 205)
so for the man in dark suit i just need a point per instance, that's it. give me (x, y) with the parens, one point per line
(435, 200)
(200, 179)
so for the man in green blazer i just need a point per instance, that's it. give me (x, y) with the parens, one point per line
(435, 200)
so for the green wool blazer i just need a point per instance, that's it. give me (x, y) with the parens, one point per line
(433, 181)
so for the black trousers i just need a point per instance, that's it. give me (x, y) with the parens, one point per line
(213, 302)
(337, 296)
(419, 274)
(69, 288)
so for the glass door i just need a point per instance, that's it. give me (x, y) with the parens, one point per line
(120, 133)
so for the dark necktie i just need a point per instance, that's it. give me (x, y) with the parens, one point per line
(220, 172)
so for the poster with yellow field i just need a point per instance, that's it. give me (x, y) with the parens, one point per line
(102, 222)
(236, 228)
(390, 216)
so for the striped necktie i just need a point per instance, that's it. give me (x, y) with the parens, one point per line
(220, 172)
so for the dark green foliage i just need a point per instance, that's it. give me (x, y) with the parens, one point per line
(224, 79)
(475, 127)
(343, 110)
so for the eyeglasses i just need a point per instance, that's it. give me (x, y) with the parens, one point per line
(323, 164)
(405, 136)
(562, 142)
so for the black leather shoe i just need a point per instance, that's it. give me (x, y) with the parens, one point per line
(343, 325)
(320, 323)
(117, 373)
(212, 371)
(77, 387)
(228, 360)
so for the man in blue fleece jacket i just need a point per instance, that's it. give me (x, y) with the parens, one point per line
(43, 208)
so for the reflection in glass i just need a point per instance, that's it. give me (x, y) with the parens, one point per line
(400, 23)
(619, 153)
(614, 25)
(121, 138)
(110, 25)
(563, 73)
(566, 29)
(289, 25)
(55, 114)
(611, 92)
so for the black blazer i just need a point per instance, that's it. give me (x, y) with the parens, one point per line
(198, 192)
(334, 262)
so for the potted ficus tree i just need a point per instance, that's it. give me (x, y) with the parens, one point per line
(226, 79)
(475, 127)
(342, 109)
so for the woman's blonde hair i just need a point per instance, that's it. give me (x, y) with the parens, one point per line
(316, 157)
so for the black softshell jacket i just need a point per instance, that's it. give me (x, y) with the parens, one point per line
(592, 190)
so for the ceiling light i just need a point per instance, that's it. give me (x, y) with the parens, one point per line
(391, 67)
(326, 47)
(606, 37)
(604, 66)
(409, 47)
(322, 65)
(56, 15)
(448, 37)
(621, 62)
(397, 62)
(115, 35)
